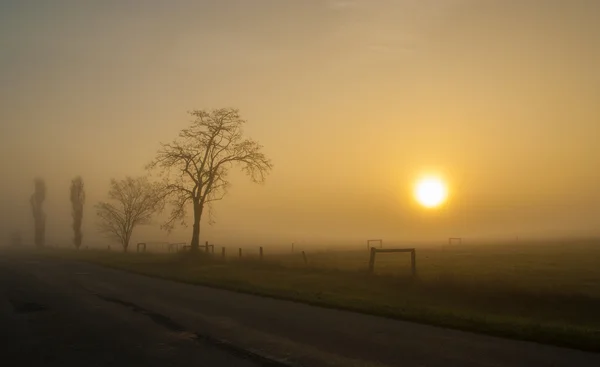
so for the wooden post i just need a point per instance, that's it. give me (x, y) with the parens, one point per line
(304, 257)
(212, 249)
(240, 253)
(413, 262)
(372, 260)
(206, 247)
(223, 252)
(261, 253)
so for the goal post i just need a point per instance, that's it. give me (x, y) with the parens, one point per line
(455, 240)
(413, 258)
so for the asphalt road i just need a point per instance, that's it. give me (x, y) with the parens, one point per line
(63, 313)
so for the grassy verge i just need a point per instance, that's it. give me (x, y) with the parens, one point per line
(551, 314)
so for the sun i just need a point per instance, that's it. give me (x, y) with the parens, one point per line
(431, 192)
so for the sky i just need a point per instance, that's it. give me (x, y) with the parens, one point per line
(353, 100)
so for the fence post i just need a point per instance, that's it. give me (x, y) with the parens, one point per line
(212, 248)
(206, 247)
(304, 257)
(372, 260)
(223, 252)
(413, 261)
(261, 252)
(240, 253)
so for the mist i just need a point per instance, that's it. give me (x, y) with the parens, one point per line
(352, 101)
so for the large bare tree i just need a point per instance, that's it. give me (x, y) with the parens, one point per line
(77, 202)
(136, 200)
(196, 164)
(37, 201)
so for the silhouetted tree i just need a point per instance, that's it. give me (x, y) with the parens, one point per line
(77, 202)
(136, 200)
(195, 165)
(37, 201)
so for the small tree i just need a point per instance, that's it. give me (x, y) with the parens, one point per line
(39, 217)
(196, 164)
(77, 201)
(136, 200)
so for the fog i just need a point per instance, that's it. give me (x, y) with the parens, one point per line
(352, 100)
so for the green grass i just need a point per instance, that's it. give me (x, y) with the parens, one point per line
(544, 293)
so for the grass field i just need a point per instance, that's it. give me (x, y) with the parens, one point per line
(545, 292)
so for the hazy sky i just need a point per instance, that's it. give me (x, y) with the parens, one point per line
(353, 100)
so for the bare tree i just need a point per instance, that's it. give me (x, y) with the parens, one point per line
(77, 201)
(39, 217)
(136, 200)
(195, 165)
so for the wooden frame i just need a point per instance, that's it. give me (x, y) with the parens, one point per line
(413, 258)
(455, 239)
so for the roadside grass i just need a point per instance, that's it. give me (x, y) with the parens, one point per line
(543, 293)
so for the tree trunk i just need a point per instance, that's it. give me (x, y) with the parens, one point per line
(40, 229)
(195, 245)
(127, 237)
(78, 239)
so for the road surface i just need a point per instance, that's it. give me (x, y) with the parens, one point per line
(65, 313)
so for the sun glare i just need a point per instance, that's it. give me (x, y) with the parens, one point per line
(431, 192)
